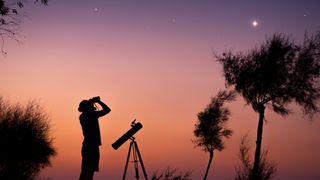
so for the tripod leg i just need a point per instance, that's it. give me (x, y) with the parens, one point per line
(128, 157)
(140, 158)
(135, 161)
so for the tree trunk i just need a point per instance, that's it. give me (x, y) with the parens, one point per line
(256, 165)
(209, 164)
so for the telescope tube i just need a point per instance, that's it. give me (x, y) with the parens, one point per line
(135, 128)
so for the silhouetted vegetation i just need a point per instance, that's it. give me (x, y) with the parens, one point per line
(267, 169)
(10, 18)
(211, 125)
(171, 174)
(26, 146)
(277, 73)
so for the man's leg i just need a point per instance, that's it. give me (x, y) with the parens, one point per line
(86, 175)
(82, 175)
(90, 162)
(90, 175)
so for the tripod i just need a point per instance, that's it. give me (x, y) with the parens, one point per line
(136, 154)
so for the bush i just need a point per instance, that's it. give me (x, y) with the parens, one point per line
(171, 174)
(26, 146)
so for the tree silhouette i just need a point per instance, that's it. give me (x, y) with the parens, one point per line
(10, 19)
(275, 74)
(211, 125)
(26, 146)
(243, 171)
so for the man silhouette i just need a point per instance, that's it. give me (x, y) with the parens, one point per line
(91, 133)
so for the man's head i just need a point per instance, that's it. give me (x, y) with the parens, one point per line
(86, 105)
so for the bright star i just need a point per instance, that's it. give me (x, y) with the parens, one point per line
(255, 23)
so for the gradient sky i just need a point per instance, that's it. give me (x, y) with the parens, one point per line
(152, 60)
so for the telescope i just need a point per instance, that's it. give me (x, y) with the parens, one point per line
(135, 127)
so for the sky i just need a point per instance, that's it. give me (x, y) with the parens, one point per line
(153, 61)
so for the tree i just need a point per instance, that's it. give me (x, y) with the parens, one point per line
(10, 18)
(211, 125)
(243, 171)
(26, 146)
(277, 73)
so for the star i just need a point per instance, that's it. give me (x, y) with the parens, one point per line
(254, 23)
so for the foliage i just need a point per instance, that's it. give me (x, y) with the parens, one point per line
(243, 171)
(171, 174)
(10, 18)
(211, 125)
(26, 146)
(210, 128)
(277, 73)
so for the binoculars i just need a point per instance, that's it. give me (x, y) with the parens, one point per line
(94, 99)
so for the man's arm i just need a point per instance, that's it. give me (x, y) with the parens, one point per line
(105, 109)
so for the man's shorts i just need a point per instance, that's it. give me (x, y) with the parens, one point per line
(90, 158)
